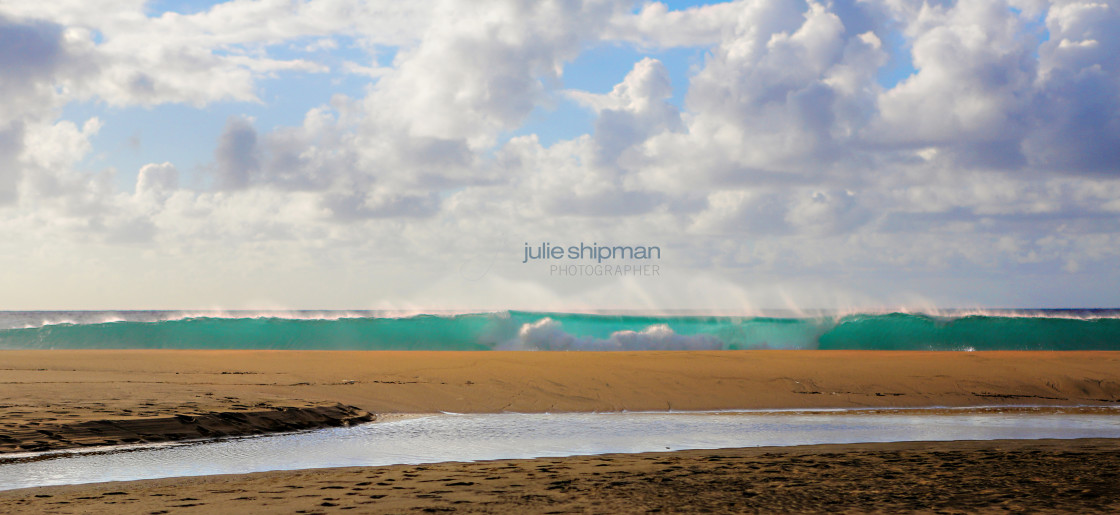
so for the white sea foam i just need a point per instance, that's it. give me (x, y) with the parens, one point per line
(547, 334)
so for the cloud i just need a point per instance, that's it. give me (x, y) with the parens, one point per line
(781, 99)
(11, 146)
(742, 211)
(33, 50)
(236, 158)
(1078, 109)
(381, 203)
(157, 180)
(634, 110)
(827, 213)
(973, 88)
(990, 93)
(35, 56)
(217, 54)
(477, 72)
(654, 25)
(790, 162)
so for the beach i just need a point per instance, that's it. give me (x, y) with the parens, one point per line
(69, 399)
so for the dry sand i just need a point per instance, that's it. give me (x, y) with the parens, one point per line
(56, 399)
(1037, 476)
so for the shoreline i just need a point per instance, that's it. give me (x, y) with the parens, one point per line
(1049, 476)
(47, 395)
(61, 399)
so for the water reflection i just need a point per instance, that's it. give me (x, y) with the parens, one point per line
(451, 437)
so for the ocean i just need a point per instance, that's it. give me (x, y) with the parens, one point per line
(953, 330)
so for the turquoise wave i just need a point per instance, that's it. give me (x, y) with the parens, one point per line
(907, 332)
(515, 330)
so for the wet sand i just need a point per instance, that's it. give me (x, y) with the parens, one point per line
(65, 399)
(1038, 476)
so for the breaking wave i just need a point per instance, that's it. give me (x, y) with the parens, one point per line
(518, 330)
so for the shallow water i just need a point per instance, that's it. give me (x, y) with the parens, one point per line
(452, 437)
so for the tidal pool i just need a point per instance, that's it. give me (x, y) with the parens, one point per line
(456, 437)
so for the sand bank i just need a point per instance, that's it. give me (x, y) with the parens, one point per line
(49, 433)
(47, 393)
(1048, 476)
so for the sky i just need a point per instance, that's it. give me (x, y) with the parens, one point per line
(343, 154)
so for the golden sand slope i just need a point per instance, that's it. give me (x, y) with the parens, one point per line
(46, 390)
(1048, 476)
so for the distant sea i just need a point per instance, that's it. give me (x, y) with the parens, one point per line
(952, 330)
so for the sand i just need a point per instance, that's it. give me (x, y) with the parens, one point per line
(1039, 476)
(61, 399)
(52, 399)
